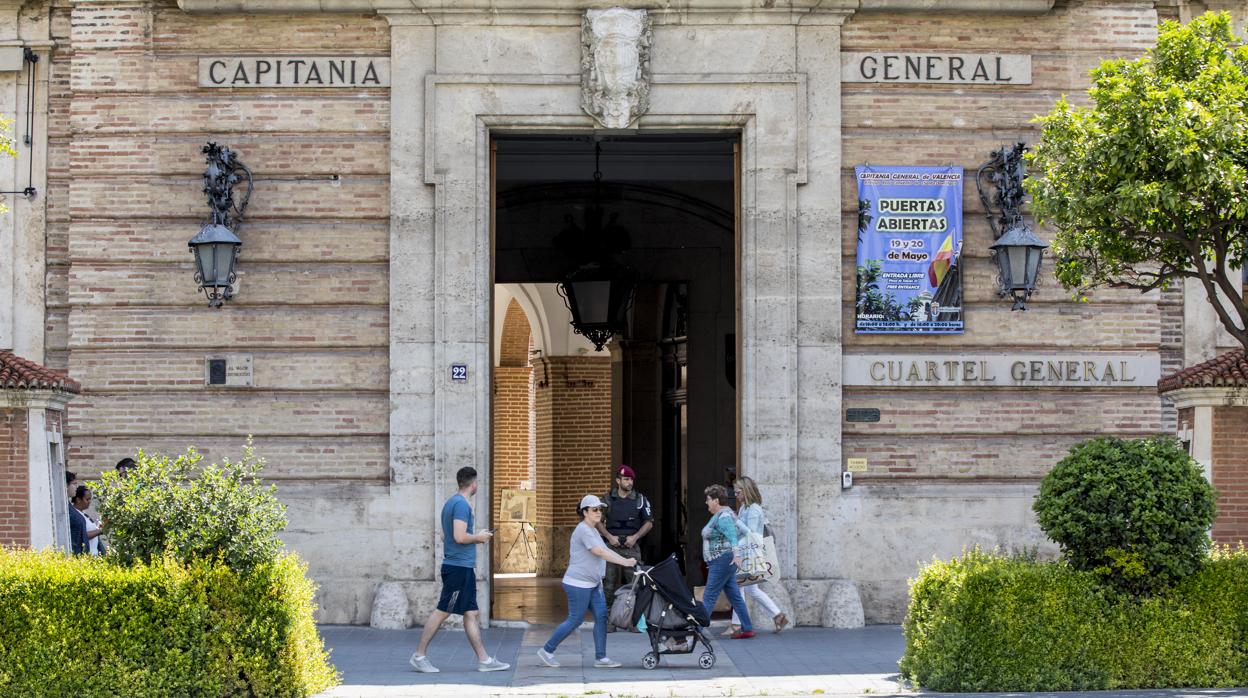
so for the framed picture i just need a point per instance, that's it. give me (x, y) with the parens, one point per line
(518, 506)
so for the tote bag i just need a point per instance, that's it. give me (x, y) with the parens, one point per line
(759, 562)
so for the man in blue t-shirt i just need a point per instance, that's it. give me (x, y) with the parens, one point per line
(459, 577)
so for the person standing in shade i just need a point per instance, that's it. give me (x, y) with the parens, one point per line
(81, 502)
(587, 558)
(752, 518)
(719, 550)
(79, 543)
(459, 577)
(628, 519)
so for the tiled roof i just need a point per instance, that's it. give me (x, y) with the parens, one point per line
(17, 373)
(1229, 370)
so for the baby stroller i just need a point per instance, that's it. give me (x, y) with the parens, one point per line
(674, 620)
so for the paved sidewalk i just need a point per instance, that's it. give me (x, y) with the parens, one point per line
(797, 662)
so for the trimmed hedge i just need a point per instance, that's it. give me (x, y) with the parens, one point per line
(985, 622)
(1136, 512)
(80, 626)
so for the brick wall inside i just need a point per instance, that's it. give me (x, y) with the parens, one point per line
(512, 462)
(512, 413)
(1230, 473)
(513, 405)
(14, 478)
(573, 409)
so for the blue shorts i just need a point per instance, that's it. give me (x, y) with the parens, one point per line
(459, 590)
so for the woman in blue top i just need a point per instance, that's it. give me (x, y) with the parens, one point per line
(752, 518)
(719, 550)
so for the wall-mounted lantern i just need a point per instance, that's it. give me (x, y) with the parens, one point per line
(1016, 251)
(599, 292)
(215, 247)
(1018, 254)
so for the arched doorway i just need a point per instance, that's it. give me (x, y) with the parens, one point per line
(662, 396)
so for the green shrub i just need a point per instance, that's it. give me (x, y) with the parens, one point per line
(1134, 512)
(986, 622)
(82, 627)
(172, 507)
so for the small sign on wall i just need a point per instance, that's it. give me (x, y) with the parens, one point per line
(459, 372)
(940, 68)
(228, 371)
(294, 71)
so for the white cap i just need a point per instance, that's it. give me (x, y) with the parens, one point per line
(590, 500)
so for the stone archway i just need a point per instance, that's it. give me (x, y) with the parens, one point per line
(440, 240)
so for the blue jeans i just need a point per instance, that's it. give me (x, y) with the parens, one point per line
(579, 601)
(722, 576)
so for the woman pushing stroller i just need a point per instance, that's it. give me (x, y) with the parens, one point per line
(588, 555)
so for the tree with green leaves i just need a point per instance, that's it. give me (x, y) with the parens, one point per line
(1149, 183)
(178, 507)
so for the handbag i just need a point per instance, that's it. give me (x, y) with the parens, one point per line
(621, 615)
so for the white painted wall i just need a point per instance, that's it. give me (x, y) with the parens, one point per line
(42, 509)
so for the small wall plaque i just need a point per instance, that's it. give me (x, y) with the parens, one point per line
(940, 68)
(862, 414)
(459, 372)
(856, 465)
(228, 371)
(294, 71)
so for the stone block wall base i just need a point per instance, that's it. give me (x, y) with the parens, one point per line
(828, 603)
(403, 605)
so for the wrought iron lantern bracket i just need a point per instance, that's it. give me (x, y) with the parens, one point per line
(216, 246)
(1016, 252)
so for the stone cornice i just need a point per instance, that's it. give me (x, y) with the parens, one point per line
(659, 8)
(1208, 397)
(35, 399)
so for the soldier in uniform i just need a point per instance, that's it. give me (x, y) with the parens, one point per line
(628, 519)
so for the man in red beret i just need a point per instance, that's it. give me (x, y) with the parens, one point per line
(628, 519)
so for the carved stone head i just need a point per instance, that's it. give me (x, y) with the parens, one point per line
(615, 65)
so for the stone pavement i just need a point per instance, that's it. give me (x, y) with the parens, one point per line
(799, 661)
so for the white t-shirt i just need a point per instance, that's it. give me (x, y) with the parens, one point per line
(93, 545)
(585, 570)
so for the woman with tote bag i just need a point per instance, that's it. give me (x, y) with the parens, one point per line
(751, 516)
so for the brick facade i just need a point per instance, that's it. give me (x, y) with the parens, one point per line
(127, 119)
(14, 478)
(1002, 434)
(1230, 474)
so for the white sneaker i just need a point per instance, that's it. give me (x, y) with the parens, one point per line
(547, 658)
(492, 664)
(423, 665)
(606, 663)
